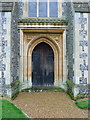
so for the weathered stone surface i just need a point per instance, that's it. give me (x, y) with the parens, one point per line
(10, 86)
(6, 6)
(81, 7)
(69, 14)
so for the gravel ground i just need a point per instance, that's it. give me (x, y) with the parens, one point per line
(48, 105)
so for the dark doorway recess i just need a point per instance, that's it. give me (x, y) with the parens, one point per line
(43, 65)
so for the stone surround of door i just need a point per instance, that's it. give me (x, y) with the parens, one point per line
(30, 37)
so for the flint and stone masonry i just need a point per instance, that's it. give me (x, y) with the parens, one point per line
(67, 34)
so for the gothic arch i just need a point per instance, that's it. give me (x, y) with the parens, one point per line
(40, 38)
(57, 57)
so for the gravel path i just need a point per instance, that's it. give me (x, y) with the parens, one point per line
(48, 105)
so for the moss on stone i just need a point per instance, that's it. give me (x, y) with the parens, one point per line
(44, 89)
(81, 96)
(44, 20)
(70, 87)
(70, 83)
(14, 96)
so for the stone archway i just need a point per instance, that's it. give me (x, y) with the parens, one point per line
(57, 58)
(29, 39)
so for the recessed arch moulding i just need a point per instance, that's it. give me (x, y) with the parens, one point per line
(56, 39)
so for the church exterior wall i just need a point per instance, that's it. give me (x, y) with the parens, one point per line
(10, 65)
(11, 13)
(5, 41)
(15, 46)
(68, 13)
(81, 67)
(74, 52)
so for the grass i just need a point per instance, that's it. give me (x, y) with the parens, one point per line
(83, 104)
(0, 109)
(9, 110)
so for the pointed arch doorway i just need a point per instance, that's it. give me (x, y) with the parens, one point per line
(42, 65)
(31, 41)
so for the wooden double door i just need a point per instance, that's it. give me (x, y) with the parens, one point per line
(42, 65)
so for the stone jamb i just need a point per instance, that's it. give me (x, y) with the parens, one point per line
(21, 56)
(64, 57)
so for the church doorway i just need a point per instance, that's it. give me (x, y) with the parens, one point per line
(42, 65)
